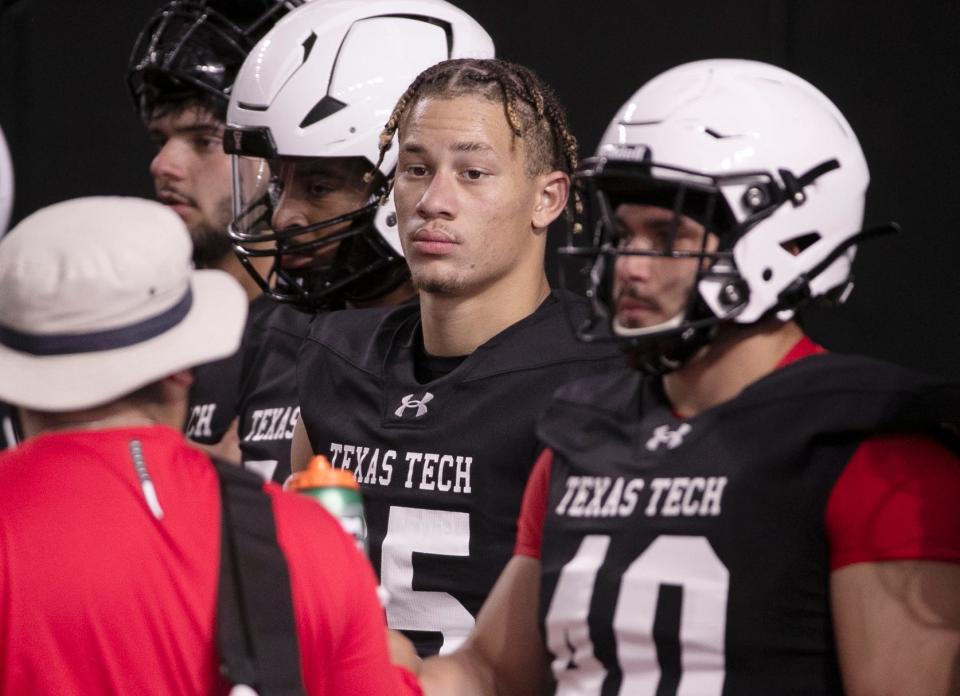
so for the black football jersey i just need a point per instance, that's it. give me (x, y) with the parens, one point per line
(690, 556)
(10, 433)
(214, 399)
(269, 408)
(442, 465)
(212, 403)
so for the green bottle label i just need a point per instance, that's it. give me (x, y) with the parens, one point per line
(347, 506)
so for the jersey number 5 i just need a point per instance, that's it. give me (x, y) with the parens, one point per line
(425, 531)
(685, 562)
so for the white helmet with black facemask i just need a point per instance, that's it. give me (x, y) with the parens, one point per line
(322, 84)
(760, 158)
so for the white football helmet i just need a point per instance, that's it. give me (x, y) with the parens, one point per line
(6, 184)
(764, 161)
(321, 84)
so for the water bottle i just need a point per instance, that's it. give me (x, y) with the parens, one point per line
(337, 490)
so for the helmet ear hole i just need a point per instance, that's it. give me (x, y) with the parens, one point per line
(797, 245)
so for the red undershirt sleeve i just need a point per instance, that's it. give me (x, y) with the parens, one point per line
(897, 499)
(534, 508)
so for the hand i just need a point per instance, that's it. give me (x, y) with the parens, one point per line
(402, 652)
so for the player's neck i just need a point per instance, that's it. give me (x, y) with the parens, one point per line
(231, 264)
(737, 358)
(458, 325)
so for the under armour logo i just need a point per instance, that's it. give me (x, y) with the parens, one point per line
(409, 402)
(237, 139)
(662, 435)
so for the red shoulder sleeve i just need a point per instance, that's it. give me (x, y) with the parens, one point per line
(534, 508)
(896, 499)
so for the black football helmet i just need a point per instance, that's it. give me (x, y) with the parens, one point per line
(197, 46)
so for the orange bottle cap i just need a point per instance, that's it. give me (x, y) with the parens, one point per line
(320, 474)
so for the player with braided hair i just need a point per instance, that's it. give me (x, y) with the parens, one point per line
(531, 107)
(432, 404)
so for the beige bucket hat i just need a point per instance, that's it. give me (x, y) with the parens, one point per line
(98, 298)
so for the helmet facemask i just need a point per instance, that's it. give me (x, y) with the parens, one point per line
(685, 221)
(317, 265)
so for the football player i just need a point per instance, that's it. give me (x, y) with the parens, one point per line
(432, 404)
(745, 512)
(304, 123)
(180, 74)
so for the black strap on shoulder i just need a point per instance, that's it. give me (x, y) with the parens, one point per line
(256, 631)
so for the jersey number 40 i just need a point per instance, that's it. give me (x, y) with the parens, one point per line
(685, 562)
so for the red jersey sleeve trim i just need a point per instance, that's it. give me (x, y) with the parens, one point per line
(534, 508)
(801, 349)
(897, 499)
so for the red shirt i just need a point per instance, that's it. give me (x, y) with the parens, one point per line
(99, 595)
(895, 500)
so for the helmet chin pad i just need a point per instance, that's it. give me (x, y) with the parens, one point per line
(666, 351)
(636, 332)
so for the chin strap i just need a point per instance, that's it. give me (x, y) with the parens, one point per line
(798, 292)
(664, 355)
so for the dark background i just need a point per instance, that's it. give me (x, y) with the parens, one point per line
(892, 68)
